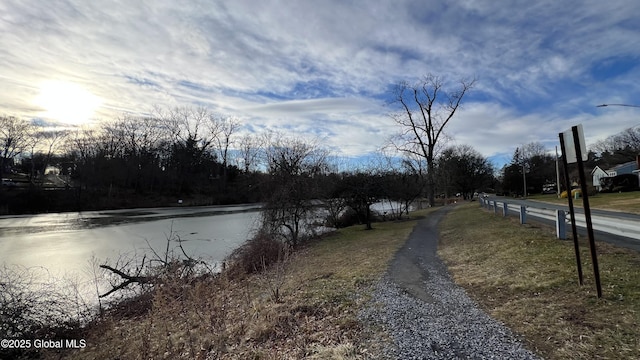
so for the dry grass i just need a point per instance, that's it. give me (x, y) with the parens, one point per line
(523, 276)
(626, 201)
(320, 289)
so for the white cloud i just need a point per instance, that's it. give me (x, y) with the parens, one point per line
(534, 61)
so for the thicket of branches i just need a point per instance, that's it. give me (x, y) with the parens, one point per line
(617, 149)
(36, 305)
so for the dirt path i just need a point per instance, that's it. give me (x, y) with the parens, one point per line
(406, 269)
(427, 315)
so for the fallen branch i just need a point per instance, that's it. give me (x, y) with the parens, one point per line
(128, 280)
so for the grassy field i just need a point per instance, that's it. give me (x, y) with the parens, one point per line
(524, 277)
(626, 201)
(305, 307)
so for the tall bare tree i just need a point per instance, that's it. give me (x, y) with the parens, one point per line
(626, 139)
(226, 127)
(425, 110)
(250, 148)
(295, 167)
(43, 145)
(15, 135)
(192, 134)
(363, 188)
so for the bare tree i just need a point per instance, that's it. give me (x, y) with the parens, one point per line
(15, 135)
(404, 182)
(44, 143)
(52, 142)
(141, 141)
(362, 188)
(532, 149)
(225, 128)
(294, 167)
(83, 142)
(618, 148)
(192, 134)
(194, 124)
(250, 149)
(82, 146)
(188, 124)
(426, 109)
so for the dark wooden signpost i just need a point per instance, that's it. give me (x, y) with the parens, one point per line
(574, 150)
(572, 213)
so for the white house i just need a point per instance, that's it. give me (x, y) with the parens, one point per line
(631, 167)
(597, 173)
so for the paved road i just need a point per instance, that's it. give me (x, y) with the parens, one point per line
(540, 204)
(617, 240)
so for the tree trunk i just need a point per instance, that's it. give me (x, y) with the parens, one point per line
(431, 180)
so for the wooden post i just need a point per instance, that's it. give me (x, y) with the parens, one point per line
(572, 213)
(587, 209)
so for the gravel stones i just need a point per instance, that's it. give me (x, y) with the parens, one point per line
(427, 316)
(450, 327)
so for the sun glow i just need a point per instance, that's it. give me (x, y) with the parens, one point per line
(67, 102)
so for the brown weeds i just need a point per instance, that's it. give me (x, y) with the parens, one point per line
(526, 278)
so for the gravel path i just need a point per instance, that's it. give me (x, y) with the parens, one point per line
(427, 316)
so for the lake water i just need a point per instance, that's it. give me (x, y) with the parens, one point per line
(64, 243)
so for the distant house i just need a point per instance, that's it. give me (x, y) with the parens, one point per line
(626, 168)
(597, 173)
(631, 167)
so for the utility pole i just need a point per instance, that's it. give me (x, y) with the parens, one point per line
(557, 174)
(524, 177)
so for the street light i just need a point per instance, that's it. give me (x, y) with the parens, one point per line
(627, 105)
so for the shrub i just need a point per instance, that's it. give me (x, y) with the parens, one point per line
(347, 218)
(257, 253)
(34, 305)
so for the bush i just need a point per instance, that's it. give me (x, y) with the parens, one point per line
(347, 218)
(256, 254)
(34, 305)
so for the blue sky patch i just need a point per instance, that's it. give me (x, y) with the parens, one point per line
(613, 67)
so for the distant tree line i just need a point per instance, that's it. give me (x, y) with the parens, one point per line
(191, 153)
(617, 149)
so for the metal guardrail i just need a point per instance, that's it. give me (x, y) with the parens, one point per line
(608, 224)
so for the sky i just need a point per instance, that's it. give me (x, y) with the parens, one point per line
(327, 68)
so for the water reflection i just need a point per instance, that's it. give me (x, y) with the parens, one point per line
(64, 243)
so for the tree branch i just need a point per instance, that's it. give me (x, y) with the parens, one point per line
(128, 280)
